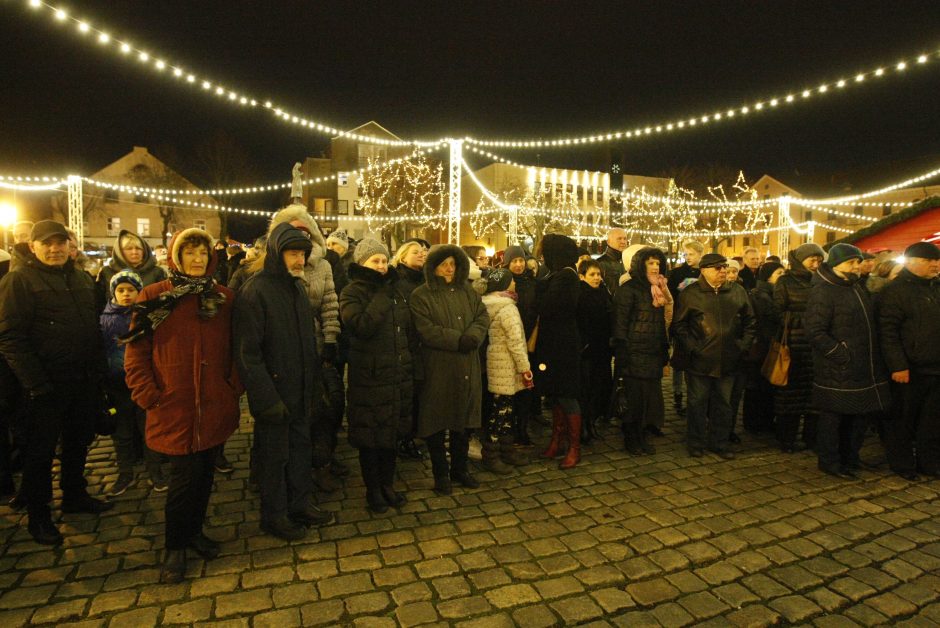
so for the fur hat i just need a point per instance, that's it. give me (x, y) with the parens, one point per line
(190, 236)
(841, 253)
(808, 250)
(126, 276)
(339, 237)
(925, 250)
(368, 247)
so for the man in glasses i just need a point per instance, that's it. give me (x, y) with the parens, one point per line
(713, 326)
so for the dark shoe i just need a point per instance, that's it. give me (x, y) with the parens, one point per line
(158, 485)
(18, 502)
(910, 476)
(648, 448)
(313, 517)
(338, 469)
(393, 497)
(654, 431)
(86, 504)
(375, 501)
(120, 486)
(443, 486)
(174, 567)
(44, 532)
(463, 478)
(632, 445)
(734, 439)
(410, 450)
(285, 529)
(325, 481)
(492, 459)
(838, 473)
(696, 452)
(725, 454)
(204, 546)
(222, 465)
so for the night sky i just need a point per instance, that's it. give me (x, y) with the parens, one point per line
(491, 69)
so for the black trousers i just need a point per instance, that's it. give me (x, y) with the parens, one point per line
(758, 403)
(187, 498)
(282, 458)
(839, 438)
(377, 466)
(596, 386)
(912, 438)
(130, 431)
(68, 414)
(459, 448)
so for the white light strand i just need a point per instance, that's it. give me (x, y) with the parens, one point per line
(731, 113)
(8, 183)
(891, 188)
(123, 47)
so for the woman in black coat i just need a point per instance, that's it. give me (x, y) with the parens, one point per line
(594, 311)
(793, 400)
(759, 393)
(377, 318)
(850, 379)
(526, 401)
(559, 345)
(642, 313)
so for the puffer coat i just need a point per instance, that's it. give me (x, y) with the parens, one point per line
(377, 320)
(791, 292)
(909, 324)
(506, 356)
(611, 263)
(452, 386)
(639, 332)
(849, 376)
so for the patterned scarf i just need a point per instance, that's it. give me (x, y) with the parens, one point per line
(151, 314)
(659, 289)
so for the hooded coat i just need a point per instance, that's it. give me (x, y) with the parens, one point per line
(321, 291)
(639, 331)
(506, 355)
(148, 269)
(791, 293)
(275, 348)
(377, 320)
(558, 347)
(184, 374)
(451, 392)
(849, 376)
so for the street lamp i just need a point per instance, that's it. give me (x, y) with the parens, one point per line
(7, 220)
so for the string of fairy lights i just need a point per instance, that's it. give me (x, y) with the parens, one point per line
(159, 64)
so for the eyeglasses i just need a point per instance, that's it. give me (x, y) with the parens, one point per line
(482, 257)
(720, 267)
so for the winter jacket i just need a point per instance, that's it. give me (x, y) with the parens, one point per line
(748, 278)
(525, 291)
(451, 391)
(148, 269)
(274, 346)
(849, 376)
(768, 320)
(20, 254)
(318, 274)
(791, 293)
(408, 279)
(678, 275)
(239, 276)
(114, 322)
(340, 276)
(639, 331)
(909, 324)
(49, 326)
(184, 374)
(595, 307)
(713, 328)
(506, 355)
(611, 263)
(378, 321)
(558, 348)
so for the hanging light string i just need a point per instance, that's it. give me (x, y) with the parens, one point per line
(159, 64)
(8, 183)
(858, 197)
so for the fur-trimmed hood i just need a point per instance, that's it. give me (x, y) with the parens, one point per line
(299, 212)
(173, 259)
(118, 262)
(638, 263)
(440, 252)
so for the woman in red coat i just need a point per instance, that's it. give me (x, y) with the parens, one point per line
(180, 370)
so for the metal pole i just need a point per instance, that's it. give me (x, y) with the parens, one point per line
(76, 220)
(783, 221)
(453, 214)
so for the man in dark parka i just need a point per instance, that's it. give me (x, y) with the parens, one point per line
(276, 355)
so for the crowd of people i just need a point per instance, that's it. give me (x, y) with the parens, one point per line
(430, 345)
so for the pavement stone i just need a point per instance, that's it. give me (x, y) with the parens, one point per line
(657, 540)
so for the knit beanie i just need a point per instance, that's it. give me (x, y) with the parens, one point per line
(733, 263)
(768, 269)
(498, 280)
(842, 253)
(925, 250)
(339, 236)
(126, 276)
(513, 252)
(368, 247)
(808, 250)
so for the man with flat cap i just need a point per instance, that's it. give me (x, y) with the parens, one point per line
(909, 326)
(714, 326)
(49, 336)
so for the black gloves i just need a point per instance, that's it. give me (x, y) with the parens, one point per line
(275, 414)
(466, 344)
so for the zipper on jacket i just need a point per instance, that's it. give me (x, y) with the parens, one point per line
(871, 347)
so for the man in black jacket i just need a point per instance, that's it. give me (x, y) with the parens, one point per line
(49, 337)
(611, 261)
(714, 327)
(276, 355)
(909, 325)
(693, 251)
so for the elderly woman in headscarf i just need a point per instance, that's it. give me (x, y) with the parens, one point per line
(179, 369)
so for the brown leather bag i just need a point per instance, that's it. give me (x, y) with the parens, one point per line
(776, 367)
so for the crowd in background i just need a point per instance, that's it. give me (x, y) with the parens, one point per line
(423, 350)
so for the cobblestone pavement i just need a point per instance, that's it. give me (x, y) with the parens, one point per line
(660, 540)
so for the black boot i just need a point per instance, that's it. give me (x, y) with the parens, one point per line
(459, 446)
(631, 438)
(387, 479)
(643, 435)
(174, 567)
(439, 466)
(41, 527)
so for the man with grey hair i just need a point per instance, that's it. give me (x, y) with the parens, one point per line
(748, 274)
(611, 262)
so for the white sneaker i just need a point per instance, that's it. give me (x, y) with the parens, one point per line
(476, 449)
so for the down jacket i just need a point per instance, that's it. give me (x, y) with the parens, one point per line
(639, 331)
(275, 353)
(909, 322)
(451, 392)
(318, 274)
(148, 269)
(791, 293)
(378, 322)
(184, 374)
(714, 328)
(849, 376)
(506, 356)
(611, 263)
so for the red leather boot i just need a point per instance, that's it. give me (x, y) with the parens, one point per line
(555, 447)
(574, 436)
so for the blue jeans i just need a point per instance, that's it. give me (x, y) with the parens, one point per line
(709, 411)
